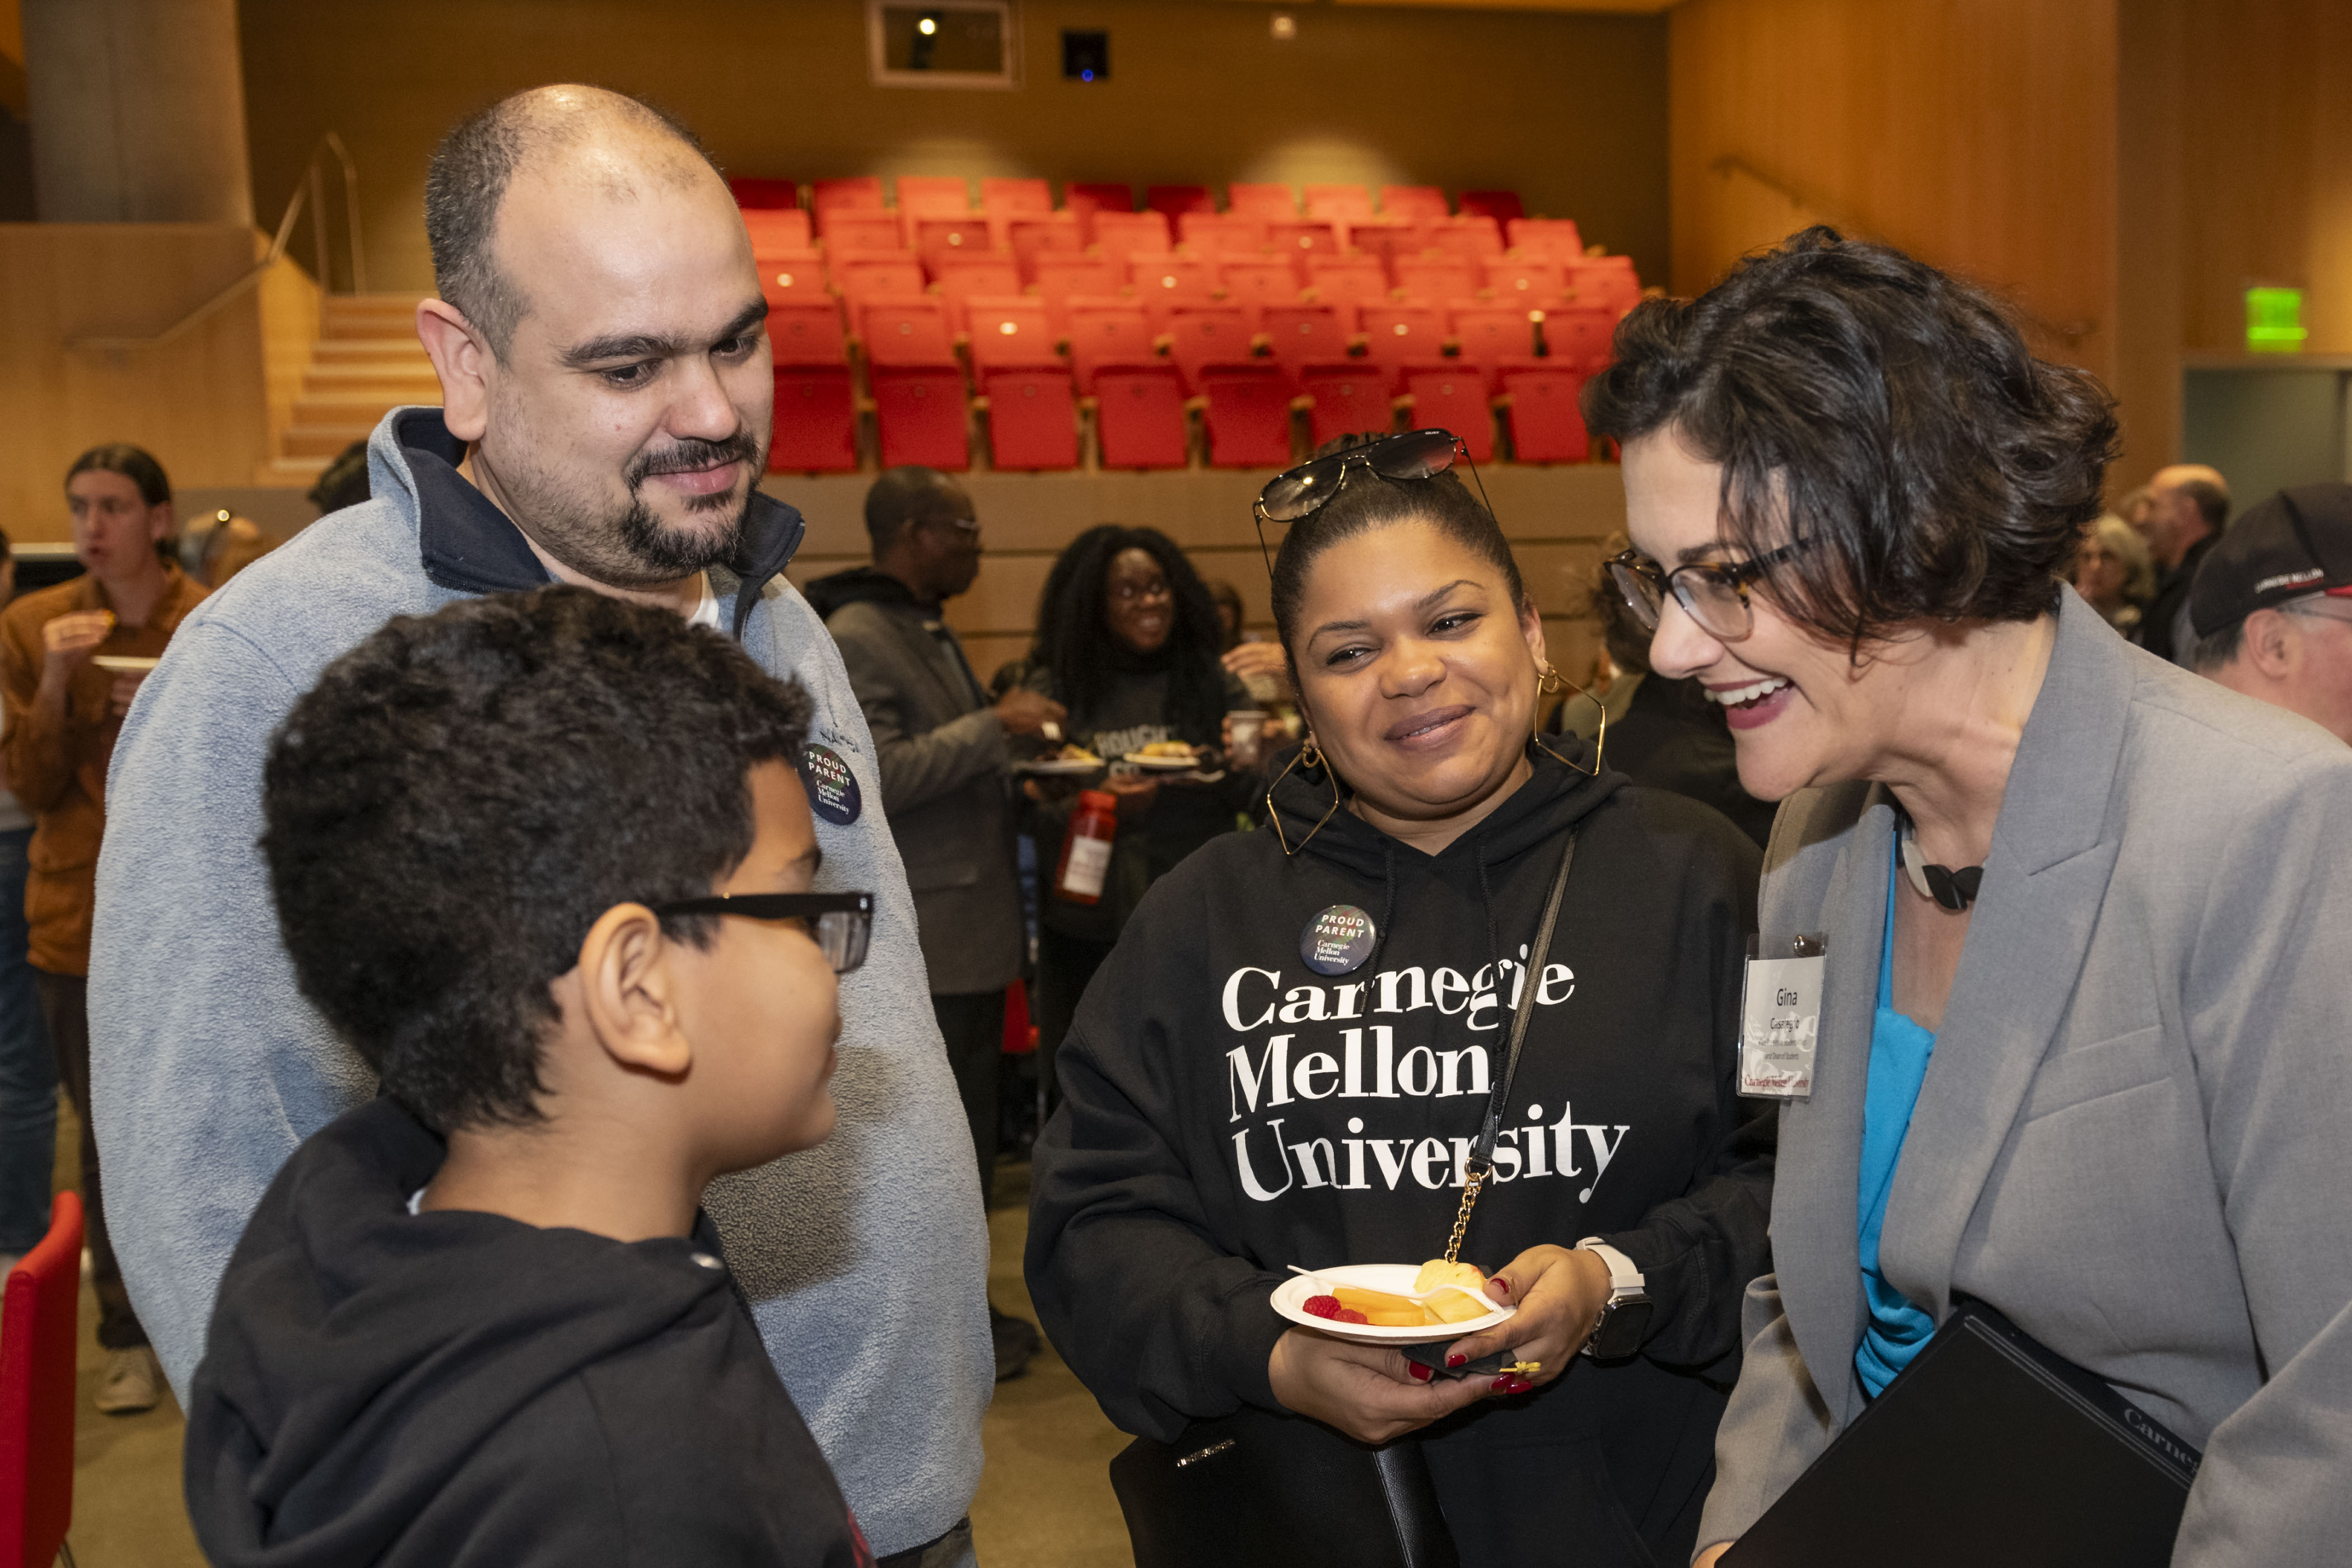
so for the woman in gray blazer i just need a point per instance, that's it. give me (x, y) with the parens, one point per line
(2088, 918)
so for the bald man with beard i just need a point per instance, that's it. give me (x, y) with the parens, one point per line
(606, 404)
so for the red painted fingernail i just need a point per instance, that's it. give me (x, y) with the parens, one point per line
(1503, 1383)
(1420, 1373)
(1457, 1359)
(1503, 1283)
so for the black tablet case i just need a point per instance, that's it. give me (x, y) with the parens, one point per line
(1987, 1448)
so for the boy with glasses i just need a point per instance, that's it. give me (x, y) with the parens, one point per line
(545, 862)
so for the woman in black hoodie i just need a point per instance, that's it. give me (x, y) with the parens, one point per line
(1228, 1109)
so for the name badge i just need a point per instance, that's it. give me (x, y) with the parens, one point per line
(833, 791)
(1781, 1020)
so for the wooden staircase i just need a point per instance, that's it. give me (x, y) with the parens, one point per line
(365, 361)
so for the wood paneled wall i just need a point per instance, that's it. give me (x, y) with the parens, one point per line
(1555, 517)
(1980, 137)
(199, 403)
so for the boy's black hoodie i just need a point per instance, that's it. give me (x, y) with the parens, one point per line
(453, 1388)
(1228, 1112)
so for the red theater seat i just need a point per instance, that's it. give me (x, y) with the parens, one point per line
(1454, 397)
(1175, 200)
(928, 195)
(1500, 206)
(964, 280)
(859, 228)
(1101, 336)
(1349, 399)
(1546, 422)
(1011, 334)
(1349, 204)
(858, 191)
(1260, 283)
(788, 279)
(815, 428)
(942, 240)
(1164, 284)
(920, 414)
(753, 193)
(872, 275)
(1057, 273)
(1391, 242)
(1604, 281)
(1054, 234)
(1262, 200)
(1130, 233)
(1199, 336)
(1300, 335)
(1247, 415)
(1532, 281)
(1223, 234)
(1348, 280)
(777, 231)
(1300, 241)
(806, 331)
(1014, 196)
(1495, 335)
(37, 1340)
(1472, 238)
(1413, 201)
(1553, 237)
(905, 331)
(1033, 418)
(1096, 196)
(1139, 416)
(1396, 336)
(1579, 335)
(1429, 278)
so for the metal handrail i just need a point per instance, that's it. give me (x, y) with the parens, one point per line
(2071, 333)
(309, 188)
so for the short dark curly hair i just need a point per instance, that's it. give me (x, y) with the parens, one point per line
(1888, 412)
(460, 798)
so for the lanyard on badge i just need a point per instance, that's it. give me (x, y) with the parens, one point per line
(1780, 1017)
(1481, 1163)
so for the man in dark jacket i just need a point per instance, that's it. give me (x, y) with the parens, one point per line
(2188, 508)
(944, 755)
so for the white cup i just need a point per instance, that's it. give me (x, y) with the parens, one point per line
(1248, 729)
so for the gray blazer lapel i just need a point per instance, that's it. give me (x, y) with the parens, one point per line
(2043, 882)
(1815, 1252)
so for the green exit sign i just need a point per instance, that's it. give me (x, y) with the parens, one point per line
(2274, 321)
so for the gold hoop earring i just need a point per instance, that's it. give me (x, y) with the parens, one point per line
(1600, 738)
(1312, 755)
(1550, 680)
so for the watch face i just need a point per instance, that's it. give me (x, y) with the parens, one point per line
(1623, 1329)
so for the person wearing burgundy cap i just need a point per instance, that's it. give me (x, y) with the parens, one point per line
(2273, 605)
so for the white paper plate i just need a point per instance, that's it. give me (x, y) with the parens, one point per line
(123, 663)
(1161, 764)
(1291, 1296)
(1057, 767)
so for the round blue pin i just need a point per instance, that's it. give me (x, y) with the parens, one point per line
(1337, 941)
(832, 787)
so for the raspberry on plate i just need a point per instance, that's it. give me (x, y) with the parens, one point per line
(1322, 1306)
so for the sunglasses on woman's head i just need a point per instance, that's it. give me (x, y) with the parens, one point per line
(1303, 491)
(840, 923)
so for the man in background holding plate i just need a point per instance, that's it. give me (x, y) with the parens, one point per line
(945, 756)
(71, 658)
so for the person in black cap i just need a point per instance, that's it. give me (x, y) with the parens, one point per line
(2271, 605)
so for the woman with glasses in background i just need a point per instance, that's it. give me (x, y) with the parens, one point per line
(1299, 1045)
(1127, 641)
(2081, 1056)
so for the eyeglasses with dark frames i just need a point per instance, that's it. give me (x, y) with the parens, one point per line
(841, 924)
(1714, 592)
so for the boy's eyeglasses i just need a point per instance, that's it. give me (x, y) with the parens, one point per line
(840, 923)
(1303, 491)
(1715, 593)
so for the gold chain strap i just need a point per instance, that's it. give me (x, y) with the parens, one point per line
(1477, 1180)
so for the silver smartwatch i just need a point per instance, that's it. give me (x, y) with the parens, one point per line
(1625, 1317)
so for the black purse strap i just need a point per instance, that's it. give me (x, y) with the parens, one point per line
(1481, 1164)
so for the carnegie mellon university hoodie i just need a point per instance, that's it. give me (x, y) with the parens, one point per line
(1228, 1111)
(451, 1389)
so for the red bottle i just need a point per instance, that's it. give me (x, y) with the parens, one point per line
(1086, 847)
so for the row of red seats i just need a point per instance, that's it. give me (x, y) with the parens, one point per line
(951, 194)
(1140, 414)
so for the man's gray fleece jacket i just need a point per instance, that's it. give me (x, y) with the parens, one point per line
(866, 1258)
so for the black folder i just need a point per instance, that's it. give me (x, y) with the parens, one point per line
(1987, 1448)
